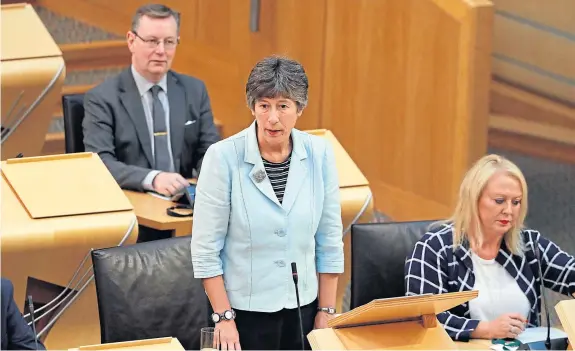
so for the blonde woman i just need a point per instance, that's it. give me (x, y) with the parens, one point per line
(484, 247)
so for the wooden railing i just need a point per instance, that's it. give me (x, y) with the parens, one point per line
(518, 119)
(528, 123)
(82, 57)
(95, 55)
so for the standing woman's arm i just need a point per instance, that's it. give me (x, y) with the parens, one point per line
(211, 215)
(328, 239)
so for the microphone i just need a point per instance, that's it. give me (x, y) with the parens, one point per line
(295, 279)
(31, 308)
(538, 256)
(557, 343)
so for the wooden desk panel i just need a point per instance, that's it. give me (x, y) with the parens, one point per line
(50, 250)
(325, 339)
(151, 212)
(166, 343)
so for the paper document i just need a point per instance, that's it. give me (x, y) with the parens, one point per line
(539, 334)
(159, 196)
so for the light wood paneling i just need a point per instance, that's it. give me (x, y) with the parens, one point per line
(217, 46)
(534, 46)
(406, 80)
(554, 13)
(529, 79)
(96, 55)
(531, 124)
(512, 101)
(93, 13)
(533, 146)
(217, 66)
(54, 144)
(8, 2)
(76, 89)
(539, 130)
(406, 92)
(33, 73)
(293, 28)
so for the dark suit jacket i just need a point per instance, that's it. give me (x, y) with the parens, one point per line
(16, 334)
(115, 127)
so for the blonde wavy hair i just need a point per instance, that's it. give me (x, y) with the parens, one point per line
(466, 212)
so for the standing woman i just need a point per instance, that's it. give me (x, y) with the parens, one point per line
(269, 196)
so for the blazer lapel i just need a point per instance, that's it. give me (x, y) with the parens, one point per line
(464, 253)
(177, 101)
(518, 268)
(297, 172)
(253, 156)
(132, 101)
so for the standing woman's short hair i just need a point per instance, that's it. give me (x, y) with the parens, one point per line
(277, 76)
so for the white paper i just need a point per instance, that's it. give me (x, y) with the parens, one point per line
(499, 347)
(539, 334)
(159, 196)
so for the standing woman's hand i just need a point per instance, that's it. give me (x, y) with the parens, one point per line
(229, 336)
(321, 319)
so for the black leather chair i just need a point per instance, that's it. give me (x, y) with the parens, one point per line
(378, 253)
(73, 111)
(148, 290)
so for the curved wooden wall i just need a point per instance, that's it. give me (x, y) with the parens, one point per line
(407, 96)
(403, 84)
(534, 46)
(33, 73)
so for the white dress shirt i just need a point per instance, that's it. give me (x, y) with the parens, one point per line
(147, 101)
(498, 292)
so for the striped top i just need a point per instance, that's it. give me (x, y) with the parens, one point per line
(278, 174)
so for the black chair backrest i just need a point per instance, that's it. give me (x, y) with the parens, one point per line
(73, 110)
(148, 290)
(378, 253)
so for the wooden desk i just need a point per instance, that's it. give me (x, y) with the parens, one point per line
(151, 212)
(50, 249)
(473, 344)
(148, 344)
(325, 339)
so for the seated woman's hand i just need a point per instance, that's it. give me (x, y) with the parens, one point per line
(229, 336)
(507, 325)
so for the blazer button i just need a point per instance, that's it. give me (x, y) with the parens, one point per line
(280, 232)
(280, 263)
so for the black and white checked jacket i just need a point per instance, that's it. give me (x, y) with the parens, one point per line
(435, 267)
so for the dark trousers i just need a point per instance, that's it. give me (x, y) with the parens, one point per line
(150, 234)
(277, 330)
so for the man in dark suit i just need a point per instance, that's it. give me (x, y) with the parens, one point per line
(150, 126)
(16, 334)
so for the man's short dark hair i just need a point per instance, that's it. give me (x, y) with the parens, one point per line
(154, 11)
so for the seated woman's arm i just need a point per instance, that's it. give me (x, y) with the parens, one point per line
(426, 273)
(557, 266)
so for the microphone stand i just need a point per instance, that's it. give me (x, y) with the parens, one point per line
(548, 339)
(31, 308)
(295, 279)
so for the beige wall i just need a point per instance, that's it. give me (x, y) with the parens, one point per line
(534, 45)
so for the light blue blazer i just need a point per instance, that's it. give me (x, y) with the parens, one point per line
(240, 229)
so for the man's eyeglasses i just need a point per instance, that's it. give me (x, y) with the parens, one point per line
(169, 43)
